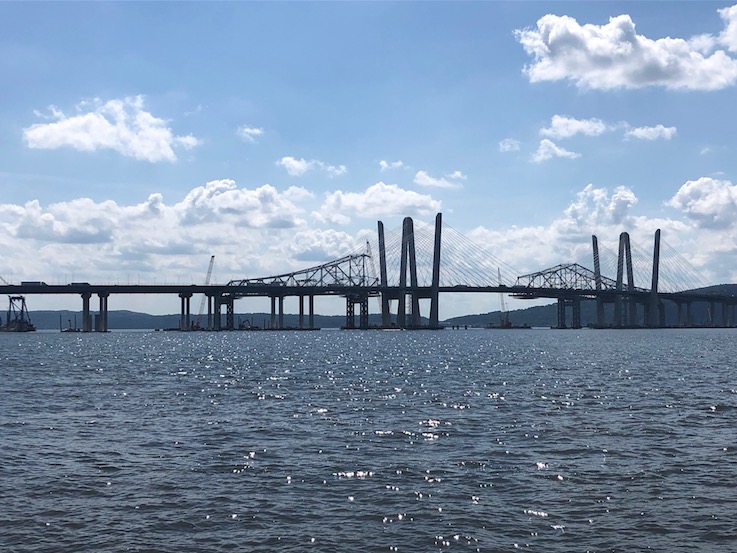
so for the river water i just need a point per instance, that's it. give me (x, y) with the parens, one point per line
(335, 441)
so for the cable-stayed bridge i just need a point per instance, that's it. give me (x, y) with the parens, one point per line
(402, 267)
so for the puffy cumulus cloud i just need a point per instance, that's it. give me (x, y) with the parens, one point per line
(614, 56)
(509, 145)
(298, 167)
(377, 200)
(549, 150)
(567, 237)
(423, 178)
(321, 245)
(565, 127)
(263, 207)
(107, 241)
(250, 134)
(710, 203)
(120, 125)
(652, 133)
(386, 165)
(596, 208)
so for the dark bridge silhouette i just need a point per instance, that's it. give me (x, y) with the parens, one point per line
(417, 265)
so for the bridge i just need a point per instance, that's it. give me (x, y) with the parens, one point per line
(418, 264)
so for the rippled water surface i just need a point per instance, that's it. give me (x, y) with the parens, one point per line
(369, 441)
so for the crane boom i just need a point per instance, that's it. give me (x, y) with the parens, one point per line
(204, 297)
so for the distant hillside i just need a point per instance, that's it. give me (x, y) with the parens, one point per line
(547, 315)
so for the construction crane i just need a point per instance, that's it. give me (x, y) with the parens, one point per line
(197, 325)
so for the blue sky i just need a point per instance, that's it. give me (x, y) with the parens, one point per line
(137, 139)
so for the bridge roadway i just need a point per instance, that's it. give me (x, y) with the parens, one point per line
(224, 295)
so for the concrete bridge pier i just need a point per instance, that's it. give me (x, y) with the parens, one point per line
(101, 319)
(350, 316)
(210, 302)
(185, 312)
(311, 311)
(575, 304)
(86, 318)
(228, 301)
(229, 312)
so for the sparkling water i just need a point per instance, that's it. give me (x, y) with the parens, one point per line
(477, 440)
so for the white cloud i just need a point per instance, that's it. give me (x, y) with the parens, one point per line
(614, 56)
(120, 125)
(710, 203)
(298, 167)
(548, 150)
(728, 37)
(652, 133)
(509, 145)
(565, 127)
(423, 178)
(155, 239)
(250, 134)
(377, 200)
(596, 208)
(457, 175)
(386, 165)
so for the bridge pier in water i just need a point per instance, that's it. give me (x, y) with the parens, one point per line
(350, 318)
(184, 311)
(575, 304)
(100, 320)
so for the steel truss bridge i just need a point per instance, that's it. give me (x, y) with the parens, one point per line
(408, 274)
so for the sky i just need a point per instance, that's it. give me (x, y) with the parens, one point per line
(137, 139)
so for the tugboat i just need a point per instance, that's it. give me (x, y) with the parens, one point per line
(17, 319)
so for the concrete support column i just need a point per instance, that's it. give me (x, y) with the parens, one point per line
(217, 316)
(230, 313)
(301, 311)
(281, 311)
(312, 311)
(561, 313)
(364, 315)
(86, 319)
(101, 323)
(273, 312)
(435, 287)
(386, 318)
(185, 312)
(350, 313)
(597, 279)
(576, 317)
(654, 302)
(210, 300)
